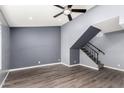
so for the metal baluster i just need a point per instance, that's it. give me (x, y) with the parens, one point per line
(97, 58)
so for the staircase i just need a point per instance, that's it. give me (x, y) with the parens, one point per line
(82, 41)
(93, 52)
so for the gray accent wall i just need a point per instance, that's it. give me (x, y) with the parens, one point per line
(5, 47)
(29, 45)
(74, 56)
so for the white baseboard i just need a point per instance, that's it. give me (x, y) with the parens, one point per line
(70, 65)
(80, 65)
(114, 68)
(4, 79)
(65, 65)
(89, 66)
(33, 67)
(24, 68)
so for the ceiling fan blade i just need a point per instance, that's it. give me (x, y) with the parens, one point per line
(59, 6)
(69, 17)
(79, 10)
(69, 6)
(58, 14)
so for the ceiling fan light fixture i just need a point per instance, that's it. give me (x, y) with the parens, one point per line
(67, 12)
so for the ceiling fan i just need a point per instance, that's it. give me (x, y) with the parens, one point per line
(67, 10)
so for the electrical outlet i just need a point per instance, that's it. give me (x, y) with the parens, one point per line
(39, 62)
(75, 61)
(118, 65)
(59, 59)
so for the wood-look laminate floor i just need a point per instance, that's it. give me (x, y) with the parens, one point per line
(60, 76)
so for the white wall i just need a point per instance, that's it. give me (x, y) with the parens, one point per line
(71, 31)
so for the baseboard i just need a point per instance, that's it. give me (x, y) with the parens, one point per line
(74, 65)
(80, 65)
(70, 65)
(114, 68)
(65, 64)
(89, 67)
(24, 68)
(4, 80)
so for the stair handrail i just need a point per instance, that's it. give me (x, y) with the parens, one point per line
(92, 49)
(96, 48)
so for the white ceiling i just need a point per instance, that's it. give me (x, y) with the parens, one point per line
(27, 16)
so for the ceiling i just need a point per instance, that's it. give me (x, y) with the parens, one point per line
(41, 15)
